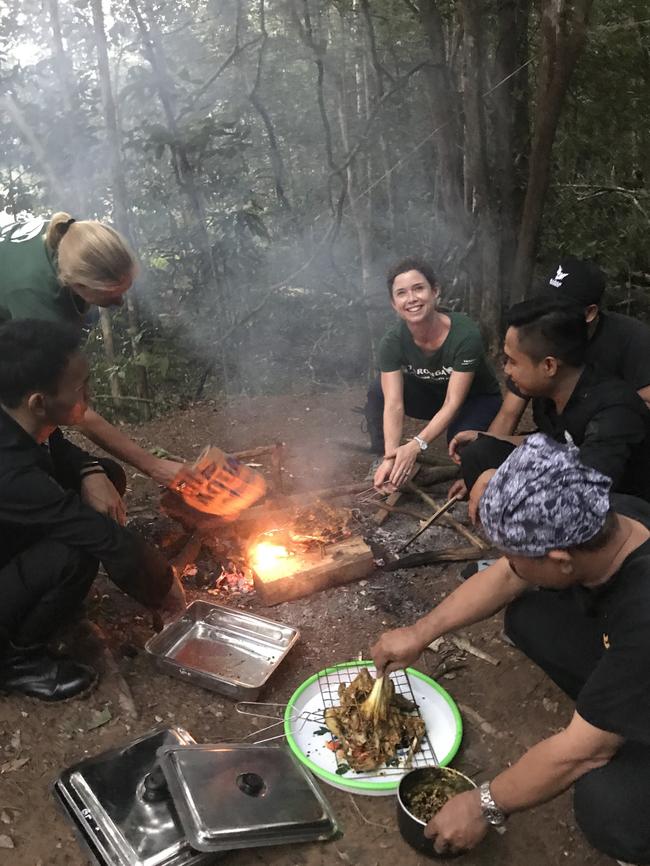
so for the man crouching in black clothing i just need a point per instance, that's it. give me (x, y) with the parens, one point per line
(53, 534)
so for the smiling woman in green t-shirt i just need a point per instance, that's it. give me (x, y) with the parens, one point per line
(57, 270)
(433, 367)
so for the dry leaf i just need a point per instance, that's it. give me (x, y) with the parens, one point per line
(5, 817)
(6, 841)
(14, 764)
(15, 741)
(99, 718)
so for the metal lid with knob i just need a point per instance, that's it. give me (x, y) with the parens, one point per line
(230, 796)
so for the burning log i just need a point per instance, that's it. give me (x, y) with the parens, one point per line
(282, 575)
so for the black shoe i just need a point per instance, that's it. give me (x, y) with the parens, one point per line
(373, 427)
(35, 673)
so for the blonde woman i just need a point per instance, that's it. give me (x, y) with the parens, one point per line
(58, 269)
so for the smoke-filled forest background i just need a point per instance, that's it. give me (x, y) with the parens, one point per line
(269, 158)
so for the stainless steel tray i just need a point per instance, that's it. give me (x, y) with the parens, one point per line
(222, 649)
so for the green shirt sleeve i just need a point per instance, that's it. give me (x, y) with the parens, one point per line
(390, 353)
(469, 353)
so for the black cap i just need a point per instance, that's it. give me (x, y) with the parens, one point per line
(578, 280)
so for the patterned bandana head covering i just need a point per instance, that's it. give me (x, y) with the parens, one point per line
(543, 498)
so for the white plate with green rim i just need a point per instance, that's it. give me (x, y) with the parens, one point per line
(303, 727)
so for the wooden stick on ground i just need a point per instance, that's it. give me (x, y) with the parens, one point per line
(431, 520)
(448, 520)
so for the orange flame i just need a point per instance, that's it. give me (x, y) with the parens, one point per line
(267, 556)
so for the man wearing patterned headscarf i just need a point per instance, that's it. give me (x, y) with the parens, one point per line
(588, 628)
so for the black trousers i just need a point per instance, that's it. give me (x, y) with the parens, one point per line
(611, 804)
(486, 452)
(43, 585)
(476, 413)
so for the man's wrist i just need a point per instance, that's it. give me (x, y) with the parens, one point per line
(490, 810)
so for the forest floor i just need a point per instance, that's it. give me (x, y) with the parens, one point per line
(505, 709)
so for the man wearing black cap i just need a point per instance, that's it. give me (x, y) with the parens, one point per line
(619, 345)
(588, 628)
(545, 351)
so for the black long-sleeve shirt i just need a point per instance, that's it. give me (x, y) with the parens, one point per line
(35, 505)
(609, 422)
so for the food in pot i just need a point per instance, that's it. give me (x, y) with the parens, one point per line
(429, 795)
(372, 722)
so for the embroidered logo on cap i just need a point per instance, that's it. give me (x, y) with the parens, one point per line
(558, 278)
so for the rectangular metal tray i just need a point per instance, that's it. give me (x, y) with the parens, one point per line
(222, 649)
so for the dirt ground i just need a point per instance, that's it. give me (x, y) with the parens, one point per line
(505, 708)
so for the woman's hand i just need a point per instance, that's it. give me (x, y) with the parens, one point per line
(405, 458)
(459, 441)
(383, 473)
(98, 492)
(397, 649)
(164, 471)
(459, 825)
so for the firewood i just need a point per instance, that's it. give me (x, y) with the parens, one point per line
(430, 557)
(448, 520)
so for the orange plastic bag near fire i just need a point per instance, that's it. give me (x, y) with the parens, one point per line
(219, 484)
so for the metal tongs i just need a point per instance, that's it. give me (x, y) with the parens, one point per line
(261, 710)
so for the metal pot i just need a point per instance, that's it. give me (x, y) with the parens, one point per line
(412, 828)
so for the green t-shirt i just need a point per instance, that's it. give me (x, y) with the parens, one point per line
(29, 287)
(462, 351)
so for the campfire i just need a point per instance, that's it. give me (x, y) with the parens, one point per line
(280, 553)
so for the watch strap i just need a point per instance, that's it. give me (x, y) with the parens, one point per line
(489, 809)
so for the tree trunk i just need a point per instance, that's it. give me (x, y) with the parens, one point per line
(445, 112)
(563, 35)
(184, 172)
(120, 197)
(106, 325)
(78, 184)
(485, 297)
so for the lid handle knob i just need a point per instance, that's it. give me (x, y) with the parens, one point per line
(251, 784)
(155, 786)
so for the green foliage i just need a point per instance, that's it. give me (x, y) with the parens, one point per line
(250, 277)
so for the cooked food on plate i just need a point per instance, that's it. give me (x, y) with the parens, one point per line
(372, 722)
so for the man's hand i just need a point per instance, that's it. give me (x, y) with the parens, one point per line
(383, 473)
(459, 825)
(174, 604)
(477, 491)
(98, 492)
(459, 441)
(397, 649)
(405, 458)
(458, 488)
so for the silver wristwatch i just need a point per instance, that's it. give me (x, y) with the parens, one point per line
(421, 442)
(489, 809)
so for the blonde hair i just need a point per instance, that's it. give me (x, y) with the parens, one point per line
(89, 253)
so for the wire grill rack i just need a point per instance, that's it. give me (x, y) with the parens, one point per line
(329, 682)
